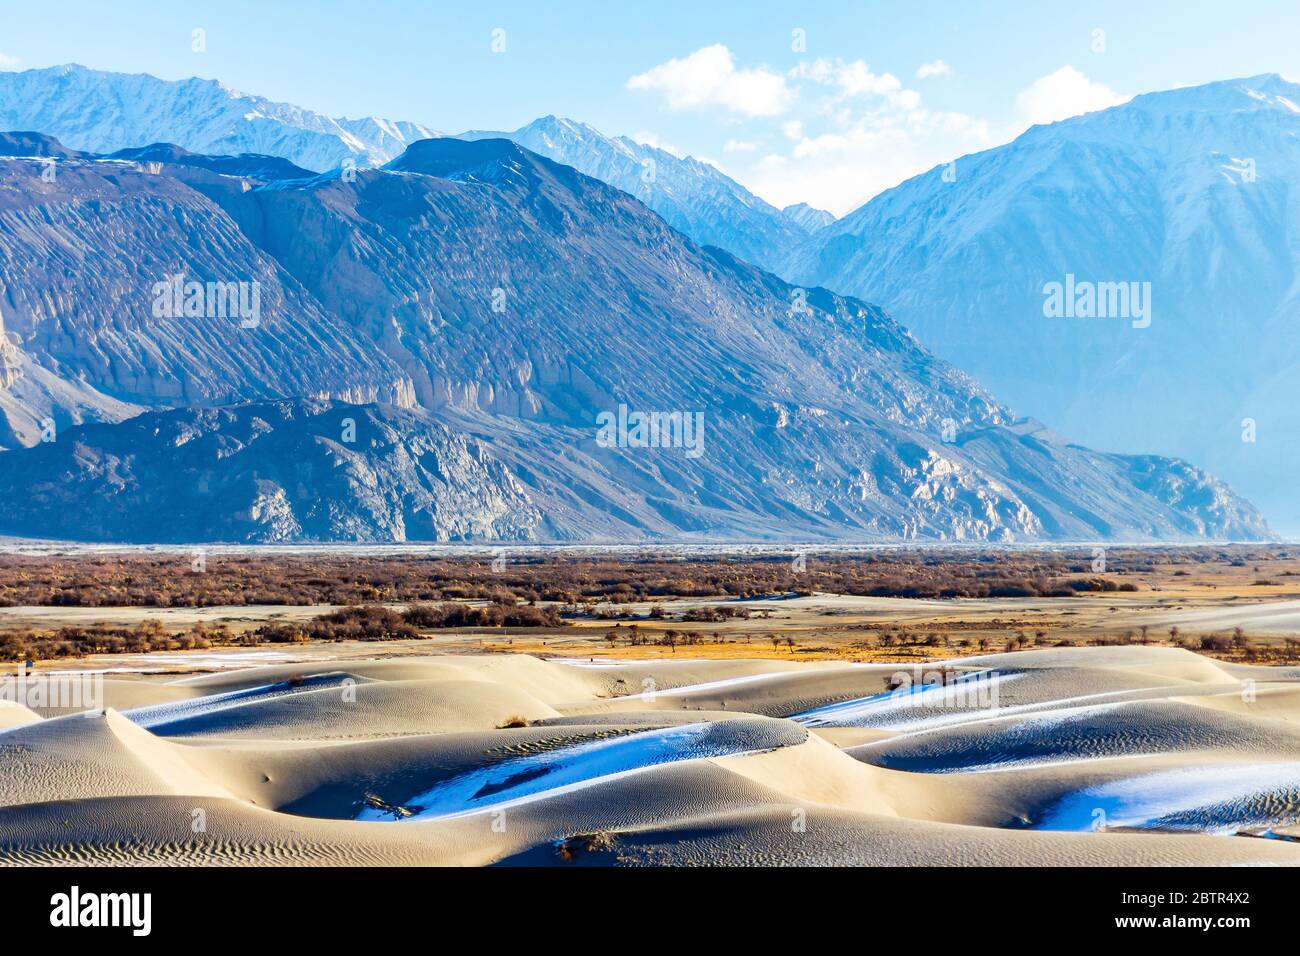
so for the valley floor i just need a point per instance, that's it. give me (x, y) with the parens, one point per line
(1144, 725)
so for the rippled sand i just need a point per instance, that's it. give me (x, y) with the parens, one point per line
(1089, 756)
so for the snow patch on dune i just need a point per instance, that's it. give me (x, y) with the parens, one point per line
(1219, 799)
(538, 776)
(157, 716)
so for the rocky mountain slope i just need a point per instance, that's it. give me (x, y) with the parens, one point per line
(504, 303)
(1193, 194)
(271, 472)
(694, 197)
(84, 246)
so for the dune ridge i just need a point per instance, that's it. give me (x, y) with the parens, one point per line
(502, 759)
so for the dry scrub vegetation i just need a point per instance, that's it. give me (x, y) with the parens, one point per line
(357, 623)
(547, 591)
(166, 580)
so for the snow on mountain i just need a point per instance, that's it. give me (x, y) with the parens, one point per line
(1194, 191)
(694, 197)
(102, 112)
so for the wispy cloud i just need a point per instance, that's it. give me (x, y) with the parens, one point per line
(849, 78)
(854, 131)
(1063, 94)
(863, 153)
(8, 62)
(709, 77)
(933, 68)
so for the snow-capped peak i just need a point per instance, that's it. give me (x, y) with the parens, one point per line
(102, 112)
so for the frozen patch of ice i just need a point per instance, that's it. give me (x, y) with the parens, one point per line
(709, 686)
(970, 693)
(537, 776)
(157, 716)
(1219, 799)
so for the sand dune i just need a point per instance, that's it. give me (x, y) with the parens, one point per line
(1103, 756)
(14, 714)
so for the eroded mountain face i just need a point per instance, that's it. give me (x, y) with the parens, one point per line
(487, 296)
(692, 196)
(268, 472)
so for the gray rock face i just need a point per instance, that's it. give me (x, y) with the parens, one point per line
(272, 472)
(1192, 192)
(83, 247)
(512, 301)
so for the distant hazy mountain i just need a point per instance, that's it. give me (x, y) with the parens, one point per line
(1195, 191)
(103, 112)
(808, 218)
(506, 302)
(693, 196)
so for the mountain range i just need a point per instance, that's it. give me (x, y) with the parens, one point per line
(1192, 194)
(103, 112)
(474, 309)
(693, 196)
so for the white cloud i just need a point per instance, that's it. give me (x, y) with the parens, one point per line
(856, 79)
(846, 132)
(853, 78)
(908, 99)
(8, 62)
(934, 68)
(859, 132)
(864, 154)
(1063, 94)
(709, 77)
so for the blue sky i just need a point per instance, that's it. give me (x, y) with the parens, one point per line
(849, 114)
